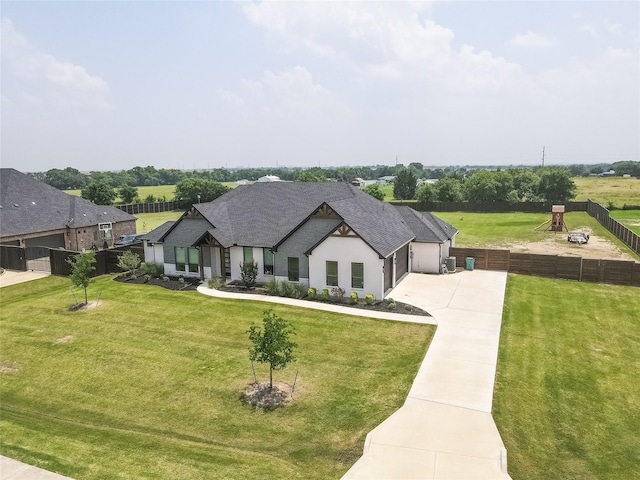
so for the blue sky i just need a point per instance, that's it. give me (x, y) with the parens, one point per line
(112, 85)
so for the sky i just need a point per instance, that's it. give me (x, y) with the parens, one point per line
(197, 85)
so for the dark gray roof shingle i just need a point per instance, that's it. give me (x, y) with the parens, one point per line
(157, 233)
(262, 214)
(31, 206)
(426, 226)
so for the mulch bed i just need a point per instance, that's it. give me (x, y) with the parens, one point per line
(172, 284)
(378, 306)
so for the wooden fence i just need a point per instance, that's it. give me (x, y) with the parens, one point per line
(626, 236)
(13, 257)
(106, 260)
(156, 207)
(491, 207)
(617, 272)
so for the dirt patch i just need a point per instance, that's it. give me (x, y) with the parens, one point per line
(552, 243)
(85, 306)
(65, 339)
(259, 395)
(8, 367)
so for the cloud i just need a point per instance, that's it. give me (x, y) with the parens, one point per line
(533, 41)
(41, 75)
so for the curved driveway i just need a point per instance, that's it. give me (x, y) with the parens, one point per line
(445, 429)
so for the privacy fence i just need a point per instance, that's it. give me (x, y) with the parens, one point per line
(626, 236)
(156, 207)
(618, 272)
(491, 207)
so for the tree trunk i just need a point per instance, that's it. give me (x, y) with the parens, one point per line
(270, 377)
(86, 300)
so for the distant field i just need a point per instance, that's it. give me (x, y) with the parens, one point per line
(629, 218)
(148, 221)
(617, 190)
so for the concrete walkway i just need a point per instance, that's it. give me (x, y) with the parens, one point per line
(13, 277)
(445, 430)
(14, 470)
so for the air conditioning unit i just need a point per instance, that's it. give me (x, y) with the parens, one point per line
(451, 263)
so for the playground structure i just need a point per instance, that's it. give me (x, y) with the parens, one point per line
(556, 223)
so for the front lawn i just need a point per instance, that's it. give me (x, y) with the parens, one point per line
(567, 396)
(148, 384)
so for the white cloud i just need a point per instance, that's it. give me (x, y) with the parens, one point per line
(63, 83)
(533, 41)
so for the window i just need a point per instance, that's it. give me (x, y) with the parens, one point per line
(187, 259)
(181, 258)
(247, 254)
(293, 269)
(267, 261)
(332, 274)
(357, 275)
(194, 259)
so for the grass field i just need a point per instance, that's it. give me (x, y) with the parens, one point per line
(567, 397)
(480, 230)
(629, 218)
(148, 221)
(617, 190)
(147, 385)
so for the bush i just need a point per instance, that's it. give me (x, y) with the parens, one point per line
(325, 294)
(408, 307)
(369, 299)
(312, 293)
(216, 282)
(272, 287)
(180, 279)
(129, 261)
(150, 269)
(292, 290)
(248, 274)
(147, 278)
(353, 298)
(390, 300)
(337, 292)
(165, 278)
(391, 305)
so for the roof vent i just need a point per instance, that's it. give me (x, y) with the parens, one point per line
(16, 205)
(33, 203)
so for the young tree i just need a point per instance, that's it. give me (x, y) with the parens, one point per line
(128, 193)
(271, 343)
(100, 193)
(248, 274)
(81, 267)
(375, 191)
(129, 262)
(404, 187)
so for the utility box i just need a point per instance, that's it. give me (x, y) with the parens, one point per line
(450, 262)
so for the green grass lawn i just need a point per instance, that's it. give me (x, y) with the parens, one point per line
(567, 397)
(629, 218)
(147, 385)
(148, 221)
(617, 190)
(480, 230)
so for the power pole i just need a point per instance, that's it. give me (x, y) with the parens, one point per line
(543, 155)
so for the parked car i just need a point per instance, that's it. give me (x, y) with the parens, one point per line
(130, 239)
(578, 237)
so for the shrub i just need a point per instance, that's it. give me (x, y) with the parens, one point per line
(337, 292)
(369, 299)
(408, 307)
(150, 269)
(325, 294)
(353, 298)
(292, 290)
(129, 261)
(248, 274)
(390, 300)
(147, 278)
(391, 305)
(312, 293)
(180, 279)
(216, 282)
(272, 287)
(165, 278)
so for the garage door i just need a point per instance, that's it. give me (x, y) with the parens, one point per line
(388, 273)
(402, 261)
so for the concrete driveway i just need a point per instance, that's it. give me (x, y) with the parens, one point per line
(13, 277)
(445, 429)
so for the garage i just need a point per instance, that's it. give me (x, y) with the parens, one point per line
(402, 261)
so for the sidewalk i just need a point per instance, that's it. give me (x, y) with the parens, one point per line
(13, 277)
(14, 470)
(445, 429)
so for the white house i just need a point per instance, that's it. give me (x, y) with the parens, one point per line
(322, 235)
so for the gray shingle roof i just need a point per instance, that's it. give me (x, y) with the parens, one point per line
(157, 233)
(31, 206)
(261, 214)
(426, 226)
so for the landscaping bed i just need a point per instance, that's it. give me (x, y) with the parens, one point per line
(170, 283)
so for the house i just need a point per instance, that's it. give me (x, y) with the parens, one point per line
(34, 214)
(322, 235)
(153, 248)
(269, 178)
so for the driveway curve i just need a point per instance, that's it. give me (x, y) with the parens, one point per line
(445, 430)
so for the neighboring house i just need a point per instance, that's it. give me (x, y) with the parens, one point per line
(153, 248)
(321, 235)
(269, 178)
(34, 214)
